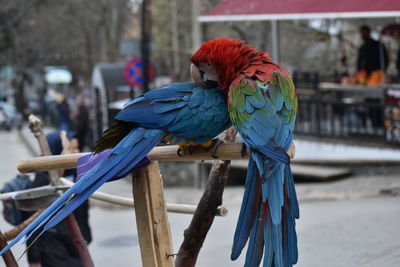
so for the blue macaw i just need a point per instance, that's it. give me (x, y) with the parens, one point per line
(181, 113)
(262, 104)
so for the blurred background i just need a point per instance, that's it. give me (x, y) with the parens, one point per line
(75, 63)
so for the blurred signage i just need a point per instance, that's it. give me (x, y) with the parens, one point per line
(131, 47)
(57, 75)
(133, 72)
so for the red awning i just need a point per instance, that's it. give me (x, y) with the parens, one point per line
(237, 10)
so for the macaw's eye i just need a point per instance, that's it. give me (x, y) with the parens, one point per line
(209, 65)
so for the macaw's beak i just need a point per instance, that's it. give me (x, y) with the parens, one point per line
(196, 75)
(200, 78)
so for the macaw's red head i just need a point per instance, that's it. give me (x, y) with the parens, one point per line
(223, 60)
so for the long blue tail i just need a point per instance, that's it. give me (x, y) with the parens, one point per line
(126, 155)
(89, 161)
(267, 216)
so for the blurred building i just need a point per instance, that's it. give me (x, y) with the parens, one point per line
(307, 35)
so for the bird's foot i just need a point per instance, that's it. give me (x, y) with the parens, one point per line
(292, 151)
(211, 146)
(214, 147)
(179, 152)
(243, 150)
(182, 150)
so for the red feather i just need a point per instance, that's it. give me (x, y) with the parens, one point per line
(233, 58)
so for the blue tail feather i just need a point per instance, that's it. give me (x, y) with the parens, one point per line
(269, 251)
(121, 156)
(291, 192)
(277, 244)
(292, 213)
(53, 208)
(277, 225)
(127, 163)
(248, 211)
(256, 242)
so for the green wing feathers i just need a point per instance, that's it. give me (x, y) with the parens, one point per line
(274, 95)
(284, 84)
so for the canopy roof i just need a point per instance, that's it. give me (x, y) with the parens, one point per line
(240, 10)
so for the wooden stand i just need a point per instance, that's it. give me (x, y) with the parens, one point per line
(151, 218)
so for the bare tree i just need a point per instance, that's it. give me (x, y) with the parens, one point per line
(74, 33)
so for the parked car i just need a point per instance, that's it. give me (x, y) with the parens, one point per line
(10, 117)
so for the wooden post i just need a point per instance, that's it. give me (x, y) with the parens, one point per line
(36, 126)
(8, 257)
(151, 218)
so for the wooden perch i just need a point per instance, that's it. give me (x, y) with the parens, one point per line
(160, 153)
(227, 151)
(151, 217)
(35, 124)
(128, 202)
(202, 220)
(113, 199)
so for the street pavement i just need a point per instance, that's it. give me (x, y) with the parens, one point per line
(343, 223)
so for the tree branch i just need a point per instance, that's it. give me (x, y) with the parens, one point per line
(205, 212)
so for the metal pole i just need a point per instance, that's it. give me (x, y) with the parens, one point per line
(175, 39)
(196, 27)
(145, 42)
(275, 41)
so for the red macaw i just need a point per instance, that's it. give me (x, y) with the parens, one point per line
(262, 104)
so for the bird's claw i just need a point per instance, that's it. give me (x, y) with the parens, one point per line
(243, 150)
(214, 147)
(183, 149)
(189, 149)
(179, 152)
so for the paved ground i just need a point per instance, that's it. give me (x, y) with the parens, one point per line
(362, 232)
(12, 150)
(343, 223)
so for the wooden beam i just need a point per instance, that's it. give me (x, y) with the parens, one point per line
(168, 153)
(151, 217)
(128, 202)
(161, 153)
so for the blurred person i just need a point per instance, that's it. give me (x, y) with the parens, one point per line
(81, 122)
(371, 52)
(3, 115)
(55, 247)
(372, 57)
(64, 118)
